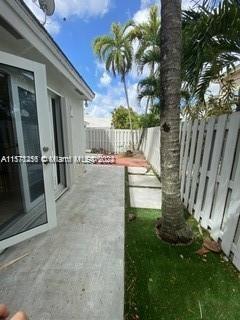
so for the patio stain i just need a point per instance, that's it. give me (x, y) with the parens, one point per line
(164, 282)
(137, 160)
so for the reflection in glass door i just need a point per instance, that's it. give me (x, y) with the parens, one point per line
(58, 143)
(11, 203)
(22, 195)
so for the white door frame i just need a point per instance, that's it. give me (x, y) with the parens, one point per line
(39, 72)
(19, 130)
(59, 188)
(67, 135)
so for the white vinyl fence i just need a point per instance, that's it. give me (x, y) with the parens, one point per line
(110, 140)
(210, 172)
(150, 146)
(210, 168)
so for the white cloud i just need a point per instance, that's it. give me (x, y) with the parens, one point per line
(92, 122)
(132, 93)
(105, 79)
(84, 9)
(101, 73)
(187, 4)
(135, 75)
(141, 15)
(100, 66)
(213, 89)
(65, 9)
(105, 102)
(52, 25)
(147, 3)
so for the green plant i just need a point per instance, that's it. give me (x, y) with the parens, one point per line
(148, 53)
(120, 118)
(211, 44)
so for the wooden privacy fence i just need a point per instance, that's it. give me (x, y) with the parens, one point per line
(210, 172)
(110, 140)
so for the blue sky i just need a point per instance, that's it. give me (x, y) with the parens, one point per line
(74, 26)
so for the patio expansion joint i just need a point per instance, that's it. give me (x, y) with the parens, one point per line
(144, 187)
(141, 174)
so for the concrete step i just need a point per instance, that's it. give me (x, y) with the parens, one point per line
(149, 198)
(140, 171)
(137, 170)
(144, 181)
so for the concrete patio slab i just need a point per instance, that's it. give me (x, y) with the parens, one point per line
(144, 181)
(75, 271)
(148, 198)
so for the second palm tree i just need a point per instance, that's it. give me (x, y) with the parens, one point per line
(117, 53)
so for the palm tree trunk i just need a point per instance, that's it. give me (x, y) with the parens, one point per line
(172, 227)
(129, 111)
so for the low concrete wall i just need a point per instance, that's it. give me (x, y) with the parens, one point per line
(150, 146)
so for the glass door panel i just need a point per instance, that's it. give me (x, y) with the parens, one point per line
(26, 196)
(22, 109)
(29, 122)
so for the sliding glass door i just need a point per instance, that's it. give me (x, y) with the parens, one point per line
(27, 205)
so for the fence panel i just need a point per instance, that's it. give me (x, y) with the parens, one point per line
(216, 148)
(110, 140)
(204, 161)
(190, 162)
(196, 167)
(211, 178)
(209, 169)
(224, 191)
(210, 175)
(185, 155)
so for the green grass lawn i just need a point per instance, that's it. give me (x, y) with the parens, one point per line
(173, 283)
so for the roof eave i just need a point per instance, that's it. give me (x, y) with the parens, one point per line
(82, 86)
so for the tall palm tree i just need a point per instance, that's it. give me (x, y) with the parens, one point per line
(211, 43)
(172, 227)
(147, 33)
(117, 53)
(147, 54)
(148, 50)
(149, 88)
